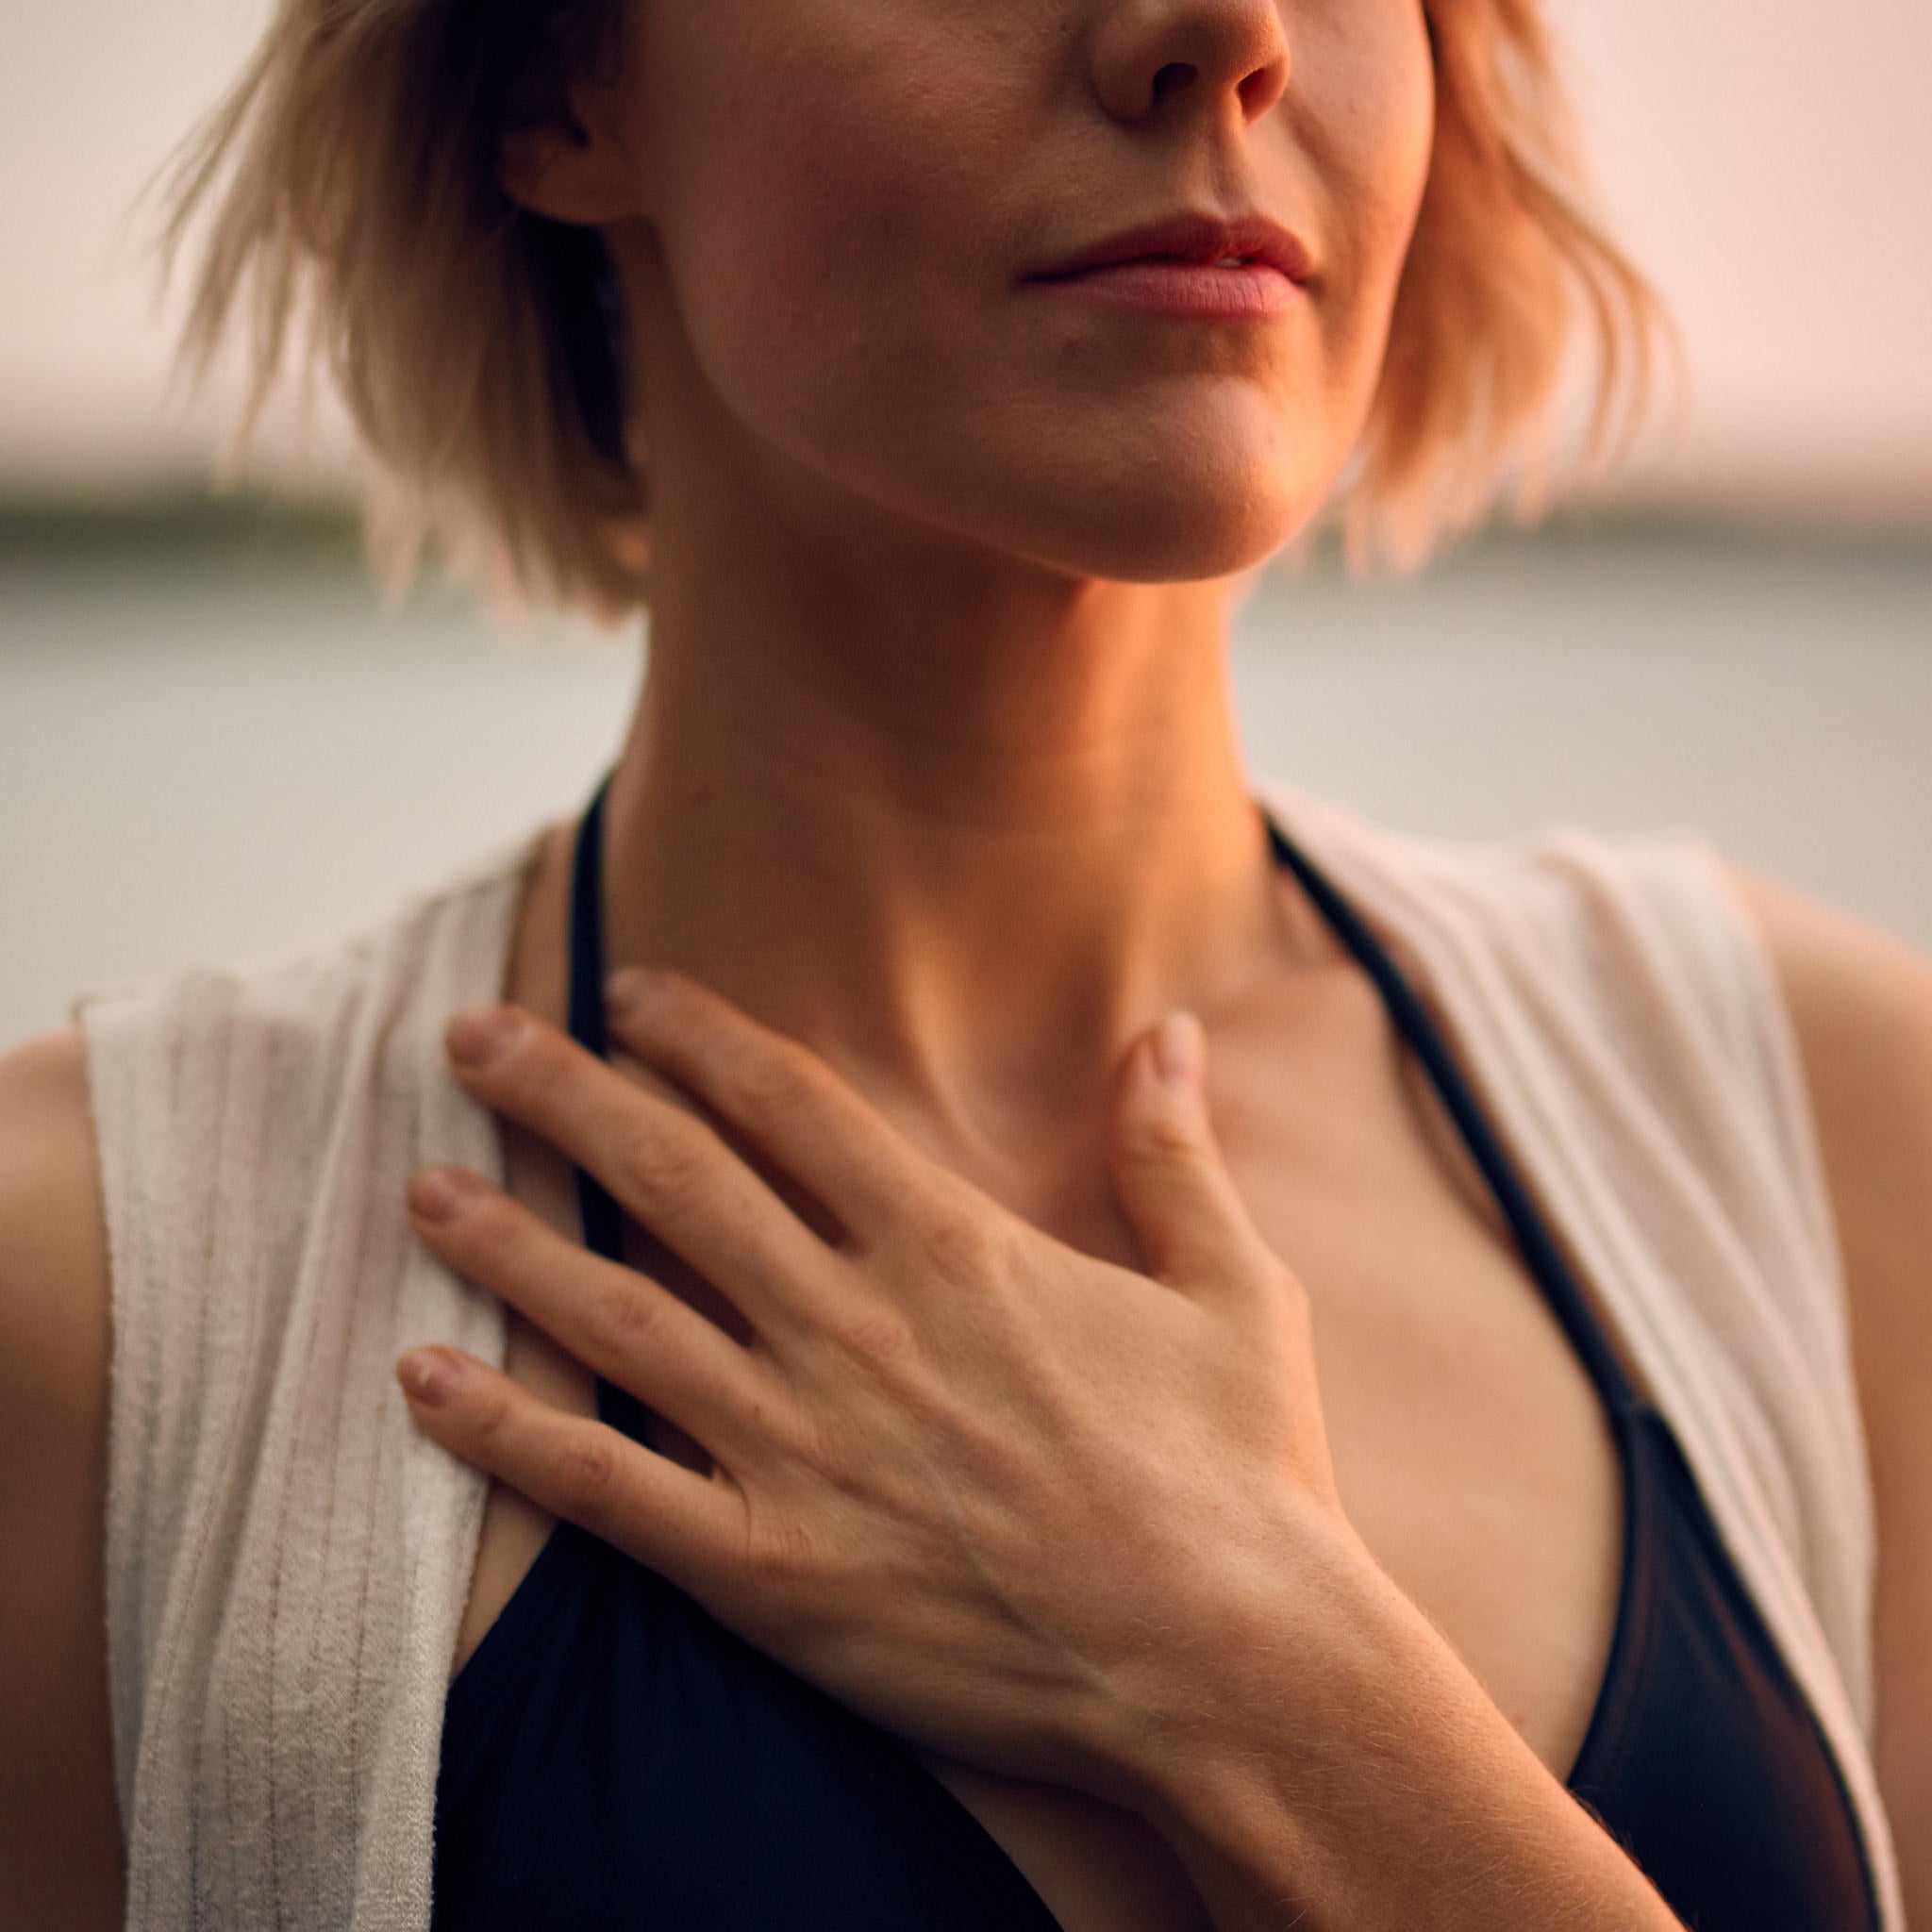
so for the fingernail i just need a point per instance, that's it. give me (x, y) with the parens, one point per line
(437, 1193)
(477, 1036)
(428, 1375)
(1177, 1049)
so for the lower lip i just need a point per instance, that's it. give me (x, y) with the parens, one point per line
(1202, 291)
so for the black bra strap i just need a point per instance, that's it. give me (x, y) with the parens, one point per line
(603, 1224)
(1539, 1251)
(603, 1221)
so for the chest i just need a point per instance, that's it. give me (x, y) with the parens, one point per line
(1469, 1446)
(1472, 1448)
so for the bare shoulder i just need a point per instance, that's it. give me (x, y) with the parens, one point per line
(59, 1835)
(53, 1244)
(1860, 1003)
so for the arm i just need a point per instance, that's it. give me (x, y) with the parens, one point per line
(1861, 1006)
(1426, 1809)
(61, 1857)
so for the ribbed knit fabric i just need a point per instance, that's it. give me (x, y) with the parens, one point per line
(288, 1559)
(288, 1556)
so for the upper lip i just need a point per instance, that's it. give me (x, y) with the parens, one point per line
(1196, 238)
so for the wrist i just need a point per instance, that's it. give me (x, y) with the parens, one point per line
(1331, 1761)
(1273, 1659)
(1287, 1668)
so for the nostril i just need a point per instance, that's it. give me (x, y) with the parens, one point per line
(1176, 73)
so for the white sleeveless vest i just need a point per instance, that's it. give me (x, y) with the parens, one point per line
(288, 1559)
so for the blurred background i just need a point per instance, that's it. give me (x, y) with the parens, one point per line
(215, 744)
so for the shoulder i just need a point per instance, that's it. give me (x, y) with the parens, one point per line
(59, 1830)
(1861, 1004)
(244, 1063)
(201, 1142)
(189, 1176)
(53, 1245)
(237, 1114)
(1860, 1007)
(1619, 944)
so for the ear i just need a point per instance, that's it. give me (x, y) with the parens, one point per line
(571, 169)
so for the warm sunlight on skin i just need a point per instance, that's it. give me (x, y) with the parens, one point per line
(823, 213)
(977, 531)
(1177, 1430)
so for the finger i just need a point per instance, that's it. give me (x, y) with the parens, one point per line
(1194, 1227)
(686, 1526)
(664, 1166)
(778, 1093)
(629, 1328)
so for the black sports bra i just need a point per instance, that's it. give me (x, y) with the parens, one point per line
(612, 1757)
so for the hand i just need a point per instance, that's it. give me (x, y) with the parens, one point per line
(992, 1494)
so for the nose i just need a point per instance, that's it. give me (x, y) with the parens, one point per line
(1154, 57)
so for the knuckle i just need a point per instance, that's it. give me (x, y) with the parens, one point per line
(664, 1160)
(1164, 1140)
(779, 1559)
(875, 1335)
(959, 1246)
(586, 1471)
(623, 1319)
(770, 1084)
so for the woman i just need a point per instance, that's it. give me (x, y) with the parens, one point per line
(1401, 1439)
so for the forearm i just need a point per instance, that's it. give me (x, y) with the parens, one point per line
(1347, 1772)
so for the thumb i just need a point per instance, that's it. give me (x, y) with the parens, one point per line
(1193, 1226)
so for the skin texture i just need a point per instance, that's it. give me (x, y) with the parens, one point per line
(944, 558)
(60, 1837)
(821, 212)
(921, 1429)
(943, 562)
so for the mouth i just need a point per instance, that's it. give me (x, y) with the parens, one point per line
(1226, 291)
(1193, 241)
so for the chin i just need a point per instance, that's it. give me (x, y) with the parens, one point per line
(1172, 536)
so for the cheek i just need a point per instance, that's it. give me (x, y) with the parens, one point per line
(1366, 114)
(843, 192)
(821, 214)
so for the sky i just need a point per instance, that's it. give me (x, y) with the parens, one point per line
(1770, 166)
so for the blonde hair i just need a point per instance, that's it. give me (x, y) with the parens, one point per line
(1504, 255)
(351, 176)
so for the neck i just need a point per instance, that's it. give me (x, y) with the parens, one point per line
(966, 843)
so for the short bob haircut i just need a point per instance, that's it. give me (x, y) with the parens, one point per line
(350, 177)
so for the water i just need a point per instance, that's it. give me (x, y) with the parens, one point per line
(218, 760)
